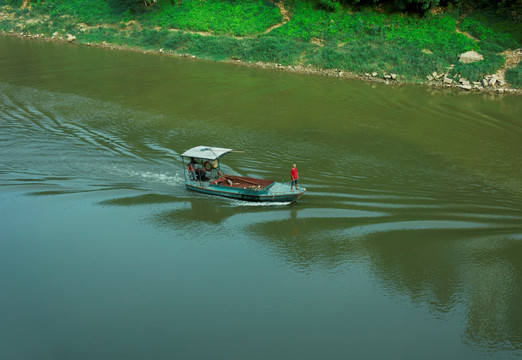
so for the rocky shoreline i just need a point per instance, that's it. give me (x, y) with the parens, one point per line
(493, 83)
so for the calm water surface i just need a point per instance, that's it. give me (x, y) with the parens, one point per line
(407, 245)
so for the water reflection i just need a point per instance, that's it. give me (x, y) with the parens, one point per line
(444, 264)
(442, 268)
(491, 281)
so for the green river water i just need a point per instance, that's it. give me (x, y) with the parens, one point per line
(407, 244)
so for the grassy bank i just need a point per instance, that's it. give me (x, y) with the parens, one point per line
(296, 33)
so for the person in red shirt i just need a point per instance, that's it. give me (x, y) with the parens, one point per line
(294, 176)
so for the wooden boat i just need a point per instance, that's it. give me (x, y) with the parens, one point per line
(202, 172)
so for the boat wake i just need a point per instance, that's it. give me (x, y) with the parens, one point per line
(175, 179)
(239, 203)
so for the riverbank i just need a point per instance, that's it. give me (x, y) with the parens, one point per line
(368, 46)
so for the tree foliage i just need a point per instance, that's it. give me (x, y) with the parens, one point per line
(132, 5)
(415, 5)
(500, 6)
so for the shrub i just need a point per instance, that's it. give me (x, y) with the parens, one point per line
(176, 40)
(514, 76)
(154, 38)
(488, 36)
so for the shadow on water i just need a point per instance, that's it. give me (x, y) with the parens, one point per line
(145, 199)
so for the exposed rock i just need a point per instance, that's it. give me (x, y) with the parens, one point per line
(470, 57)
(465, 86)
(438, 76)
(485, 82)
(393, 76)
(430, 78)
(493, 81)
(374, 74)
(71, 38)
(447, 81)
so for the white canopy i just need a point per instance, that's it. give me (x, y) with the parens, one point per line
(205, 152)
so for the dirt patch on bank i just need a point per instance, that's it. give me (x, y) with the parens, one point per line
(284, 13)
(513, 58)
(466, 34)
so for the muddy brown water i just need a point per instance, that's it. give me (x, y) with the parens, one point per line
(407, 244)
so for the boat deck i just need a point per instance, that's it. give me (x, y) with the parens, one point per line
(241, 182)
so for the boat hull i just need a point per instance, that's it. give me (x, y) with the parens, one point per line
(274, 194)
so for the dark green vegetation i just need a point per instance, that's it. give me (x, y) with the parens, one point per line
(514, 76)
(324, 34)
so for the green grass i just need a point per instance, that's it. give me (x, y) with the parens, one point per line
(89, 12)
(361, 41)
(371, 41)
(241, 18)
(274, 49)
